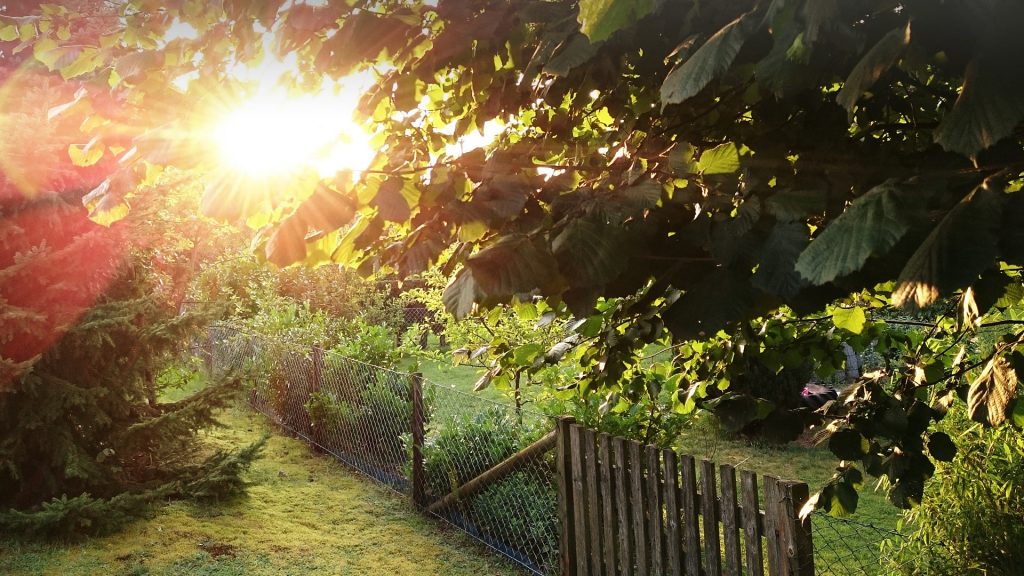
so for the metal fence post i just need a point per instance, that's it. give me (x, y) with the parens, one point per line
(419, 492)
(316, 431)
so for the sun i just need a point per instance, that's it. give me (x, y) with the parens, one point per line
(274, 133)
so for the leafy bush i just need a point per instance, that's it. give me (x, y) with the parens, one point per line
(467, 445)
(523, 506)
(969, 522)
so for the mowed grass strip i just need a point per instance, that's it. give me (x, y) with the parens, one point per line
(305, 514)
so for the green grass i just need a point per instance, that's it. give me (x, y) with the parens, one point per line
(305, 514)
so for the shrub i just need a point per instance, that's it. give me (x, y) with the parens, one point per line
(969, 522)
(466, 446)
(522, 507)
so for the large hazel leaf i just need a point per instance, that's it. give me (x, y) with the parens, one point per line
(775, 272)
(589, 253)
(870, 226)
(461, 294)
(708, 62)
(872, 65)
(990, 105)
(722, 159)
(961, 247)
(513, 265)
(599, 19)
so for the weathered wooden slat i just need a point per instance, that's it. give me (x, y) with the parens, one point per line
(797, 533)
(655, 534)
(604, 454)
(593, 502)
(579, 500)
(639, 505)
(729, 513)
(709, 499)
(673, 541)
(625, 555)
(563, 462)
(751, 526)
(691, 523)
(772, 525)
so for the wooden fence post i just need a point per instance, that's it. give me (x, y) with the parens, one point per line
(419, 492)
(563, 462)
(796, 533)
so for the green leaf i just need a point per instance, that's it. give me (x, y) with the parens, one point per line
(791, 205)
(941, 447)
(961, 247)
(990, 105)
(722, 159)
(527, 353)
(776, 271)
(872, 65)
(85, 155)
(572, 54)
(989, 396)
(461, 294)
(851, 319)
(287, 245)
(708, 62)
(680, 159)
(513, 265)
(870, 226)
(391, 202)
(848, 444)
(8, 33)
(600, 19)
(589, 252)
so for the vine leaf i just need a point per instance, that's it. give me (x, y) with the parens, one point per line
(870, 226)
(600, 19)
(709, 62)
(851, 319)
(962, 246)
(991, 392)
(872, 65)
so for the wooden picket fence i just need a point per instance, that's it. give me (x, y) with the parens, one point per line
(632, 510)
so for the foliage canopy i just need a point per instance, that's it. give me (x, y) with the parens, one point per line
(704, 172)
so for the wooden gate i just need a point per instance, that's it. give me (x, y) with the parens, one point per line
(628, 509)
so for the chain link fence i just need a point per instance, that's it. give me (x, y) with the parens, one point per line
(363, 415)
(848, 547)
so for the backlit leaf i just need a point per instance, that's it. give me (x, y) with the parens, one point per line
(991, 392)
(851, 319)
(599, 19)
(722, 159)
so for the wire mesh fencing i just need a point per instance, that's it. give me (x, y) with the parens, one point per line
(848, 547)
(485, 467)
(460, 456)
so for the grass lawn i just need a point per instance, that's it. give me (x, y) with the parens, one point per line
(305, 514)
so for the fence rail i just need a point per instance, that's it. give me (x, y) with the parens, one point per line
(554, 497)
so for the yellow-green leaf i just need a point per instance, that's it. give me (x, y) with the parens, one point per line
(851, 319)
(85, 155)
(722, 159)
